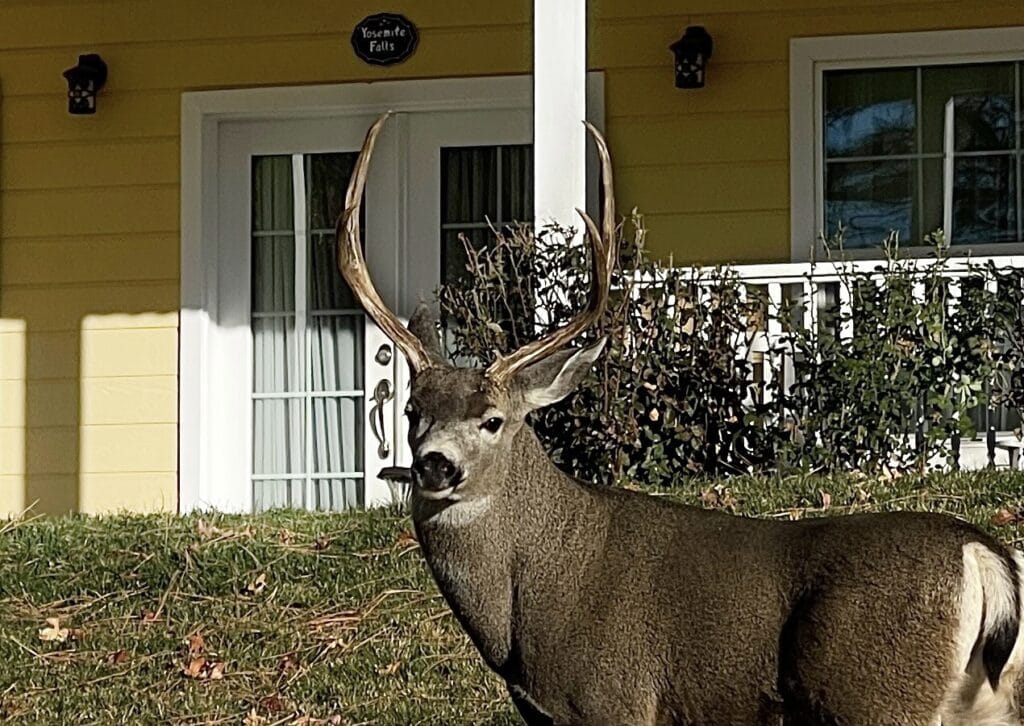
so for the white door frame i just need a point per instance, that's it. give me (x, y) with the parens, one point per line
(210, 447)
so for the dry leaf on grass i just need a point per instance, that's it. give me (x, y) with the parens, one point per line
(257, 586)
(117, 657)
(150, 617)
(55, 633)
(286, 536)
(209, 531)
(196, 645)
(390, 669)
(202, 669)
(719, 497)
(321, 543)
(253, 718)
(272, 704)
(287, 664)
(1005, 517)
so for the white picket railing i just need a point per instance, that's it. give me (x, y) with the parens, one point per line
(788, 284)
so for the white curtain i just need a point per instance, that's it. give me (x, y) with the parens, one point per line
(313, 435)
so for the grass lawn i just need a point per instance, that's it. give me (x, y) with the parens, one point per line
(305, 618)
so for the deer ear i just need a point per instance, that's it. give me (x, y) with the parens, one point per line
(423, 324)
(550, 380)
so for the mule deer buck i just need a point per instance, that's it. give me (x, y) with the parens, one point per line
(602, 606)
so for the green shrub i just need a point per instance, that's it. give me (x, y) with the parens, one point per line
(672, 395)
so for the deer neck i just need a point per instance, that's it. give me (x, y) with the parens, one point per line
(536, 524)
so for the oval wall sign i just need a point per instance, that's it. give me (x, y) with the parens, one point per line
(384, 39)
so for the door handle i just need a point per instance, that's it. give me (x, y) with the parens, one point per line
(382, 393)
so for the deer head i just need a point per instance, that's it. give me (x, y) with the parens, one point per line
(462, 421)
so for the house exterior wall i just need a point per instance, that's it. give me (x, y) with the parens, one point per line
(89, 206)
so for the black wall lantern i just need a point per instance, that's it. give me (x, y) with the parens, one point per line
(84, 82)
(692, 52)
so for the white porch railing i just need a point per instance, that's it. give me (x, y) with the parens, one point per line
(792, 286)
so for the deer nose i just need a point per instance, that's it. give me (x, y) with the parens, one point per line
(435, 471)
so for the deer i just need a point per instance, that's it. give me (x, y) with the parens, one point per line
(603, 606)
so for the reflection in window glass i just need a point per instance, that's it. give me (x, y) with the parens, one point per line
(870, 199)
(885, 133)
(870, 113)
(983, 102)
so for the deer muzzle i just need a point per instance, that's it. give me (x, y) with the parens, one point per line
(435, 473)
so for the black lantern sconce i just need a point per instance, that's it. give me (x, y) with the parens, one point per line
(84, 82)
(692, 52)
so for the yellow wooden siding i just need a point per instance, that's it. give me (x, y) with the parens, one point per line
(89, 206)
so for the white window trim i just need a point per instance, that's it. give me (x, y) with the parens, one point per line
(810, 57)
(201, 115)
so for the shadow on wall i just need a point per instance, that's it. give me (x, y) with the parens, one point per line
(88, 378)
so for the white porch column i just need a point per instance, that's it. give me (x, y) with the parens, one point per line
(559, 107)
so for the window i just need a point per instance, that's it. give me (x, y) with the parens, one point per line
(307, 339)
(907, 134)
(889, 135)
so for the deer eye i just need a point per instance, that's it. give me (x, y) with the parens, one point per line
(492, 425)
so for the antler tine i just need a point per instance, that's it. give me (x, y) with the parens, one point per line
(604, 250)
(353, 265)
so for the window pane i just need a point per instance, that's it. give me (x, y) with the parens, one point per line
(516, 184)
(984, 200)
(327, 178)
(276, 365)
(870, 113)
(277, 436)
(983, 102)
(336, 352)
(870, 199)
(272, 193)
(469, 184)
(273, 274)
(337, 447)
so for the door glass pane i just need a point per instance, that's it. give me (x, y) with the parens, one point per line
(870, 200)
(983, 106)
(338, 453)
(307, 340)
(870, 112)
(275, 354)
(517, 184)
(278, 435)
(481, 187)
(469, 184)
(272, 194)
(273, 273)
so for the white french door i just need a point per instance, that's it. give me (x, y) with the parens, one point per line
(316, 402)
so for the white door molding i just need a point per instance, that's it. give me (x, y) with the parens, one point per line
(214, 459)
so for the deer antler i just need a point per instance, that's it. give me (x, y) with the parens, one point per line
(604, 251)
(353, 264)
